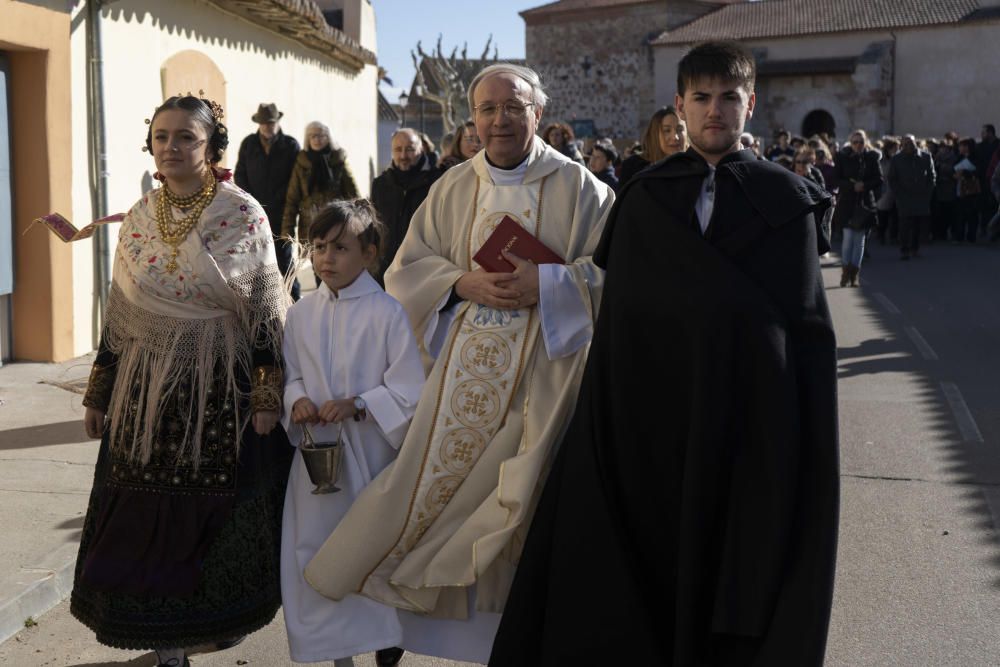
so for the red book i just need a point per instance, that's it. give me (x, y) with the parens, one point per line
(517, 240)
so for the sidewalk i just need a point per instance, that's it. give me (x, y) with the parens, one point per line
(46, 470)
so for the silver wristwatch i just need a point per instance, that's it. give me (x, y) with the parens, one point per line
(360, 406)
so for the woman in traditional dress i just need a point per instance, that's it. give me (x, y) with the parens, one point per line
(181, 540)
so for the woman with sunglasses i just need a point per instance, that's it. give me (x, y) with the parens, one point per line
(858, 175)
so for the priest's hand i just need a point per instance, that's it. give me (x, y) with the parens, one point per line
(488, 289)
(264, 421)
(524, 280)
(304, 412)
(333, 412)
(93, 422)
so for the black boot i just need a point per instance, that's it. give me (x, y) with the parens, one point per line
(388, 657)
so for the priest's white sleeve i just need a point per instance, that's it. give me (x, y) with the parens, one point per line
(438, 325)
(295, 386)
(392, 404)
(566, 321)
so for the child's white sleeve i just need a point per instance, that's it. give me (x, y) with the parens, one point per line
(392, 403)
(295, 387)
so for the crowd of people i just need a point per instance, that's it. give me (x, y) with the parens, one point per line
(899, 189)
(497, 459)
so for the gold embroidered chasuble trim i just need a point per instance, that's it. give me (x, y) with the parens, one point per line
(486, 355)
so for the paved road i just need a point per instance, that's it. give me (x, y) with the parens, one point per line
(919, 569)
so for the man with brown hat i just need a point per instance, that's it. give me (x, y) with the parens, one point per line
(264, 168)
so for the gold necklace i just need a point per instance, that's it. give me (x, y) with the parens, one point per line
(173, 232)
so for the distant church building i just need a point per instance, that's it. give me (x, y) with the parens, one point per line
(889, 66)
(596, 58)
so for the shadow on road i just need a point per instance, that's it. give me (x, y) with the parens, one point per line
(966, 461)
(61, 433)
(147, 660)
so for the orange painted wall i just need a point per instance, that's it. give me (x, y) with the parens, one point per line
(36, 39)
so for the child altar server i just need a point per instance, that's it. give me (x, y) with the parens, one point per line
(351, 363)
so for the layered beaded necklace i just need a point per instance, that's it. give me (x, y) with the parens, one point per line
(173, 232)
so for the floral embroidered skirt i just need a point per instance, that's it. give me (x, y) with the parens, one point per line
(173, 557)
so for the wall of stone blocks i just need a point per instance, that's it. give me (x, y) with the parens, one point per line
(617, 90)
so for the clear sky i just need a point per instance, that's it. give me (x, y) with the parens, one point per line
(401, 23)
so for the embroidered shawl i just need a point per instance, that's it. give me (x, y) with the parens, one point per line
(225, 300)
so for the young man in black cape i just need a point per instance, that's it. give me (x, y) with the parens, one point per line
(690, 517)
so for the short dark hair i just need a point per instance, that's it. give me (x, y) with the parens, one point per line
(968, 142)
(989, 128)
(726, 61)
(609, 152)
(357, 216)
(201, 110)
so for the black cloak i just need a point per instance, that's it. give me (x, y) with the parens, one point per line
(690, 517)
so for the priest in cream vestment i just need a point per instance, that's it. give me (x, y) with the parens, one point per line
(438, 533)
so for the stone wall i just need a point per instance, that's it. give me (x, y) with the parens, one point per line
(598, 65)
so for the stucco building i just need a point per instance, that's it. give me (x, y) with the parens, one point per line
(888, 66)
(53, 107)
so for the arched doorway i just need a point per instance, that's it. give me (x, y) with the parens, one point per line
(191, 71)
(819, 121)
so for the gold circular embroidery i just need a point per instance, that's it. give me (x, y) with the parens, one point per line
(475, 403)
(440, 493)
(460, 449)
(486, 355)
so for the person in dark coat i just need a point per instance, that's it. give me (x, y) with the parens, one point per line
(912, 178)
(695, 524)
(399, 190)
(858, 176)
(602, 164)
(982, 158)
(263, 169)
(320, 176)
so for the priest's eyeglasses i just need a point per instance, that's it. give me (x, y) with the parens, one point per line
(511, 108)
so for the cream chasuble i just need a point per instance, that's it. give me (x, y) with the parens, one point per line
(448, 517)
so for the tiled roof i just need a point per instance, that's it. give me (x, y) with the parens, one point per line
(385, 109)
(576, 5)
(788, 18)
(303, 21)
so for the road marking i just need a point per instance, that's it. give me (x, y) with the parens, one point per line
(963, 417)
(889, 306)
(925, 348)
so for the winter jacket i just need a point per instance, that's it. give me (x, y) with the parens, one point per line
(304, 197)
(265, 175)
(396, 195)
(851, 167)
(912, 178)
(944, 165)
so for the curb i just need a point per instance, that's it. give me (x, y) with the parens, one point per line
(35, 590)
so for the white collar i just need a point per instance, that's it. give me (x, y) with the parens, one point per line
(362, 285)
(513, 176)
